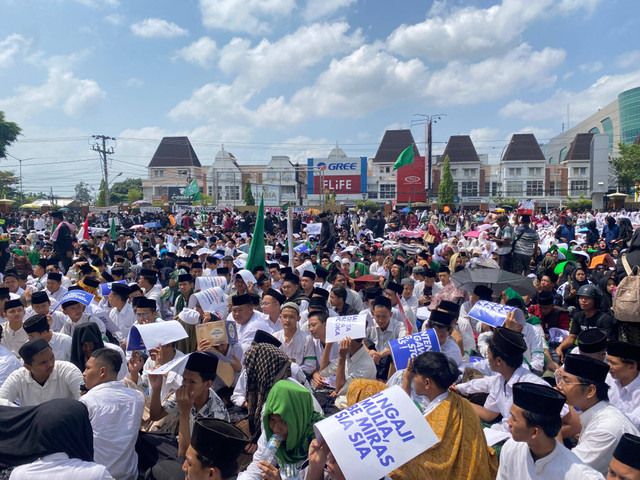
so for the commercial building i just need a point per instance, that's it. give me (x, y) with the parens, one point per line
(339, 174)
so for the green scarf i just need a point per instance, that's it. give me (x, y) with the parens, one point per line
(511, 293)
(180, 302)
(166, 295)
(360, 267)
(294, 404)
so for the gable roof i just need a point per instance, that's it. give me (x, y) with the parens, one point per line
(392, 144)
(580, 148)
(460, 148)
(175, 152)
(523, 146)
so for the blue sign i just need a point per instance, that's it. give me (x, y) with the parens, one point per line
(491, 313)
(405, 348)
(105, 288)
(302, 248)
(80, 296)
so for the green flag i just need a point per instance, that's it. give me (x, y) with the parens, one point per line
(409, 205)
(112, 228)
(191, 189)
(285, 207)
(196, 197)
(405, 158)
(255, 256)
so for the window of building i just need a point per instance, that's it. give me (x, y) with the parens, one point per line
(210, 191)
(387, 190)
(469, 172)
(579, 187)
(158, 172)
(373, 195)
(231, 192)
(183, 173)
(455, 188)
(514, 188)
(453, 172)
(495, 188)
(607, 127)
(487, 188)
(554, 188)
(515, 171)
(579, 170)
(534, 188)
(535, 171)
(160, 190)
(563, 153)
(469, 189)
(385, 169)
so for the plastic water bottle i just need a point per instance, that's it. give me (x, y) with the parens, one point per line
(269, 453)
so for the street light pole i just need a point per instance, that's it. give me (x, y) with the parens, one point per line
(428, 120)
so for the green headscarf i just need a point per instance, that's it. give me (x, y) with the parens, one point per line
(511, 293)
(175, 291)
(293, 403)
(361, 268)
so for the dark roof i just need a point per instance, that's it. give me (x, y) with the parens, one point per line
(460, 149)
(580, 148)
(523, 146)
(392, 144)
(175, 152)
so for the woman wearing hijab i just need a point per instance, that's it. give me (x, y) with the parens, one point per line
(52, 438)
(606, 285)
(455, 261)
(625, 233)
(592, 233)
(632, 257)
(577, 279)
(86, 338)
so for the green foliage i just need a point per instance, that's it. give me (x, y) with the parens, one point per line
(626, 167)
(119, 191)
(248, 195)
(9, 132)
(133, 195)
(157, 203)
(368, 205)
(580, 204)
(83, 192)
(446, 189)
(506, 202)
(205, 200)
(9, 184)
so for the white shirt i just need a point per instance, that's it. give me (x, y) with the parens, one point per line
(516, 462)
(534, 339)
(61, 345)
(602, 426)
(13, 339)
(115, 412)
(451, 349)
(58, 294)
(123, 320)
(155, 294)
(64, 382)
(8, 364)
(170, 382)
(300, 349)
(58, 466)
(382, 338)
(70, 326)
(57, 318)
(247, 331)
(360, 365)
(627, 399)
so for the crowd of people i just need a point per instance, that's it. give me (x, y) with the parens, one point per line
(552, 391)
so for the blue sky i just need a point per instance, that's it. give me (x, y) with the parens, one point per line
(292, 77)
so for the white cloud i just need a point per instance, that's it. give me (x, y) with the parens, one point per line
(591, 67)
(76, 96)
(628, 59)
(316, 9)
(210, 99)
(469, 32)
(135, 82)
(288, 57)
(99, 3)
(244, 15)
(459, 83)
(201, 52)
(299, 148)
(157, 28)
(13, 45)
(483, 135)
(115, 19)
(542, 134)
(604, 91)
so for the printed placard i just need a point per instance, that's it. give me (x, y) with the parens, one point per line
(80, 296)
(210, 299)
(205, 283)
(353, 326)
(405, 348)
(376, 435)
(105, 288)
(314, 228)
(150, 335)
(217, 332)
(493, 314)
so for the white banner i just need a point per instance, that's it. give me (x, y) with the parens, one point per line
(150, 335)
(210, 299)
(314, 228)
(205, 283)
(353, 326)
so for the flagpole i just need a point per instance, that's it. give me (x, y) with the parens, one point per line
(290, 235)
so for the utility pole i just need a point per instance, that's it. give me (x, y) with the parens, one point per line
(428, 120)
(100, 146)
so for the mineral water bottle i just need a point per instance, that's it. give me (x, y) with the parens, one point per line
(269, 453)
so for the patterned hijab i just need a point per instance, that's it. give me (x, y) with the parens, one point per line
(264, 364)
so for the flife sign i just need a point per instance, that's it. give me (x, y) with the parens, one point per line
(344, 176)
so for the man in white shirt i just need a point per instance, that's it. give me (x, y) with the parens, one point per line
(272, 300)
(247, 320)
(58, 466)
(296, 344)
(42, 378)
(381, 333)
(9, 363)
(75, 312)
(625, 464)
(148, 281)
(408, 299)
(583, 381)
(623, 359)
(41, 304)
(533, 451)
(121, 313)
(442, 322)
(54, 285)
(115, 412)
(37, 326)
(13, 334)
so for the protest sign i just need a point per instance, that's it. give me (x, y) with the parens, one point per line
(405, 348)
(376, 435)
(314, 228)
(210, 299)
(105, 288)
(150, 335)
(526, 207)
(205, 283)
(224, 371)
(217, 332)
(239, 263)
(80, 296)
(176, 365)
(494, 314)
(353, 326)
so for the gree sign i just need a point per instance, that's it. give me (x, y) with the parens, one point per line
(344, 176)
(338, 166)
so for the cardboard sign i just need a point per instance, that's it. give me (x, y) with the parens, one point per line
(314, 228)
(205, 283)
(405, 348)
(105, 288)
(353, 326)
(211, 299)
(217, 332)
(526, 207)
(493, 314)
(80, 296)
(150, 335)
(376, 435)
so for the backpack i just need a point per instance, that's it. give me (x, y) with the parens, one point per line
(626, 306)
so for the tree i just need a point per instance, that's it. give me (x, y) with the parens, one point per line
(119, 191)
(9, 132)
(83, 192)
(133, 195)
(580, 204)
(446, 189)
(368, 205)
(626, 167)
(248, 195)
(8, 182)
(205, 200)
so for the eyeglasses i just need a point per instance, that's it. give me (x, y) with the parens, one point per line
(560, 380)
(143, 315)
